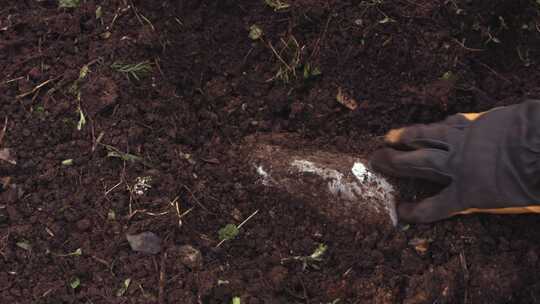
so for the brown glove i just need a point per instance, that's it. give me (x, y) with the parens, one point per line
(489, 162)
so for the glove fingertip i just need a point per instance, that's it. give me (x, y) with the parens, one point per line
(380, 161)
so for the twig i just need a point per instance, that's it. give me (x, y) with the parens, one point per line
(304, 289)
(317, 47)
(161, 295)
(13, 80)
(466, 48)
(247, 219)
(3, 131)
(494, 72)
(35, 89)
(278, 56)
(113, 187)
(140, 18)
(195, 199)
(176, 207)
(466, 276)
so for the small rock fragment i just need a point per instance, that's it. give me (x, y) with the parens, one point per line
(190, 256)
(145, 242)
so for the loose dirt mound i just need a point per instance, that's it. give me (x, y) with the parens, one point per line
(170, 89)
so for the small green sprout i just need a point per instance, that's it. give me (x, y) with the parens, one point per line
(235, 300)
(125, 285)
(74, 283)
(311, 72)
(255, 32)
(75, 87)
(229, 232)
(311, 259)
(99, 12)
(40, 109)
(69, 3)
(67, 162)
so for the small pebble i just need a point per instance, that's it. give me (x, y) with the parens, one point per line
(145, 242)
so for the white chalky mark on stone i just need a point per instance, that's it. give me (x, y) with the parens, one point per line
(368, 185)
(336, 185)
(377, 187)
(265, 176)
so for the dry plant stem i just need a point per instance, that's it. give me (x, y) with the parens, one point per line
(3, 131)
(162, 274)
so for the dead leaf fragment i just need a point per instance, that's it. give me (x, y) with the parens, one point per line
(420, 245)
(6, 155)
(346, 100)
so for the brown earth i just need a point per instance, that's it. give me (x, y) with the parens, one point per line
(208, 87)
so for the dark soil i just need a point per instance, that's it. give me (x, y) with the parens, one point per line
(210, 86)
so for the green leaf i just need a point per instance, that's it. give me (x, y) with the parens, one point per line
(124, 287)
(67, 162)
(255, 32)
(235, 300)
(40, 109)
(69, 3)
(75, 282)
(230, 231)
(99, 12)
(319, 252)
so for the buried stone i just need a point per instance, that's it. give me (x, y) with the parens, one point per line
(338, 186)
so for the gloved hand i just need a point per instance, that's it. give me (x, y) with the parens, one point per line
(489, 162)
